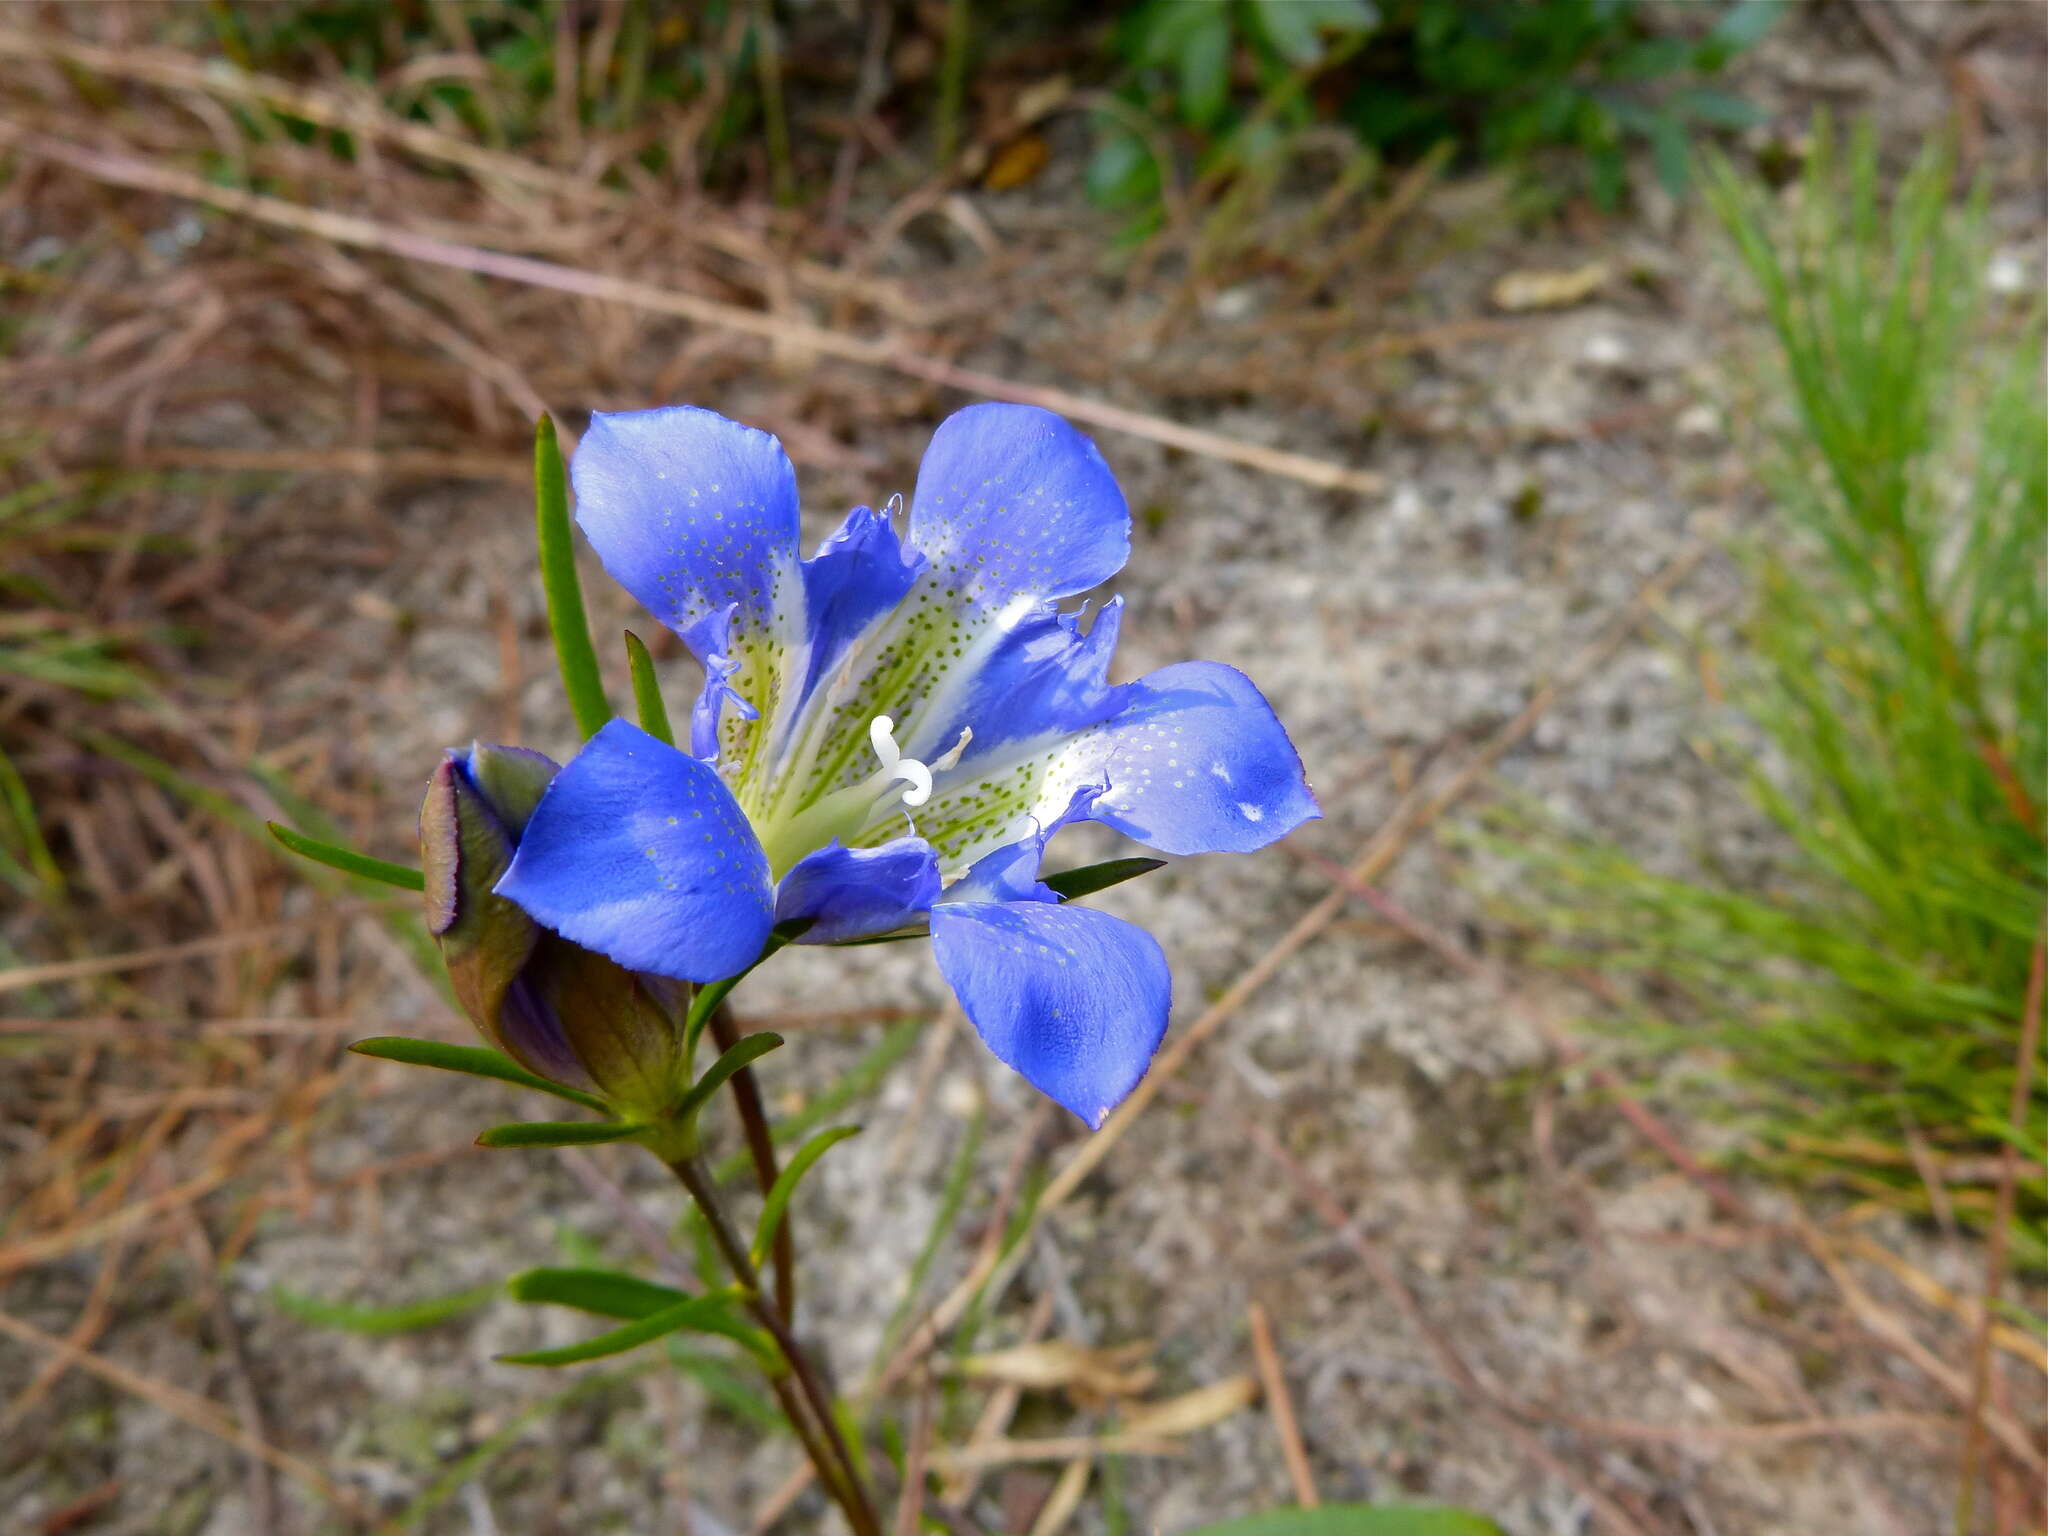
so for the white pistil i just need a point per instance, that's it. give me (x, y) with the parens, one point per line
(881, 732)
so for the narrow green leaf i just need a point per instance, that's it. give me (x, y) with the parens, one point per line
(1073, 884)
(747, 1049)
(557, 1133)
(647, 691)
(476, 1060)
(640, 1331)
(603, 1291)
(347, 859)
(566, 621)
(404, 1318)
(1357, 1520)
(777, 1203)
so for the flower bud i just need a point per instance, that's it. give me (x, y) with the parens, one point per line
(563, 1012)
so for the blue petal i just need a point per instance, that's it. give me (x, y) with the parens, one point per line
(1073, 998)
(1010, 873)
(1014, 509)
(854, 892)
(639, 851)
(1011, 501)
(1043, 679)
(1198, 763)
(711, 639)
(858, 574)
(689, 512)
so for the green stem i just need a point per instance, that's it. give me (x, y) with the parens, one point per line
(809, 1407)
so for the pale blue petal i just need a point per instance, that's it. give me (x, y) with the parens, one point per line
(696, 516)
(1045, 678)
(1074, 999)
(1012, 501)
(639, 852)
(859, 574)
(852, 893)
(1010, 873)
(689, 512)
(711, 639)
(1197, 763)
(1014, 509)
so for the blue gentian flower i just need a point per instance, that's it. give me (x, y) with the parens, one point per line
(890, 731)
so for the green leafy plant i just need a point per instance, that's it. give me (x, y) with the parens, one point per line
(1501, 79)
(1866, 1006)
(500, 84)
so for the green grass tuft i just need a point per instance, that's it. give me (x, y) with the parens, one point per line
(1865, 1009)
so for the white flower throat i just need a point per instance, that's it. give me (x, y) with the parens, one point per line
(845, 813)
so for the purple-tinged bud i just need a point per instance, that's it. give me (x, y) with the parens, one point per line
(561, 1011)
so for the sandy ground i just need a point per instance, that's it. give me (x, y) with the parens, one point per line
(1535, 480)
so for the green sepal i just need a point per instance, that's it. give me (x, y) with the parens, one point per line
(647, 701)
(566, 620)
(558, 1133)
(602, 1291)
(777, 1203)
(476, 1060)
(748, 1048)
(347, 860)
(1073, 884)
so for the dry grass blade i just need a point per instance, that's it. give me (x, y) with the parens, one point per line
(25, 976)
(1611, 1509)
(800, 336)
(1281, 1405)
(1190, 1411)
(1892, 1330)
(910, 1507)
(196, 1411)
(1064, 1502)
(1008, 1453)
(2001, 1235)
(36, 1250)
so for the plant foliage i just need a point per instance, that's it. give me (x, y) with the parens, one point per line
(1501, 79)
(1867, 1003)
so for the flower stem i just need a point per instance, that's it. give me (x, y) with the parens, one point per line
(746, 1097)
(809, 1405)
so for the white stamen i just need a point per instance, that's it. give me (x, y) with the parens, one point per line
(918, 777)
(952, 757)
(882, 733)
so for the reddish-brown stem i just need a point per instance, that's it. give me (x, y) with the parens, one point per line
(746, 1098)
(809, 1408)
